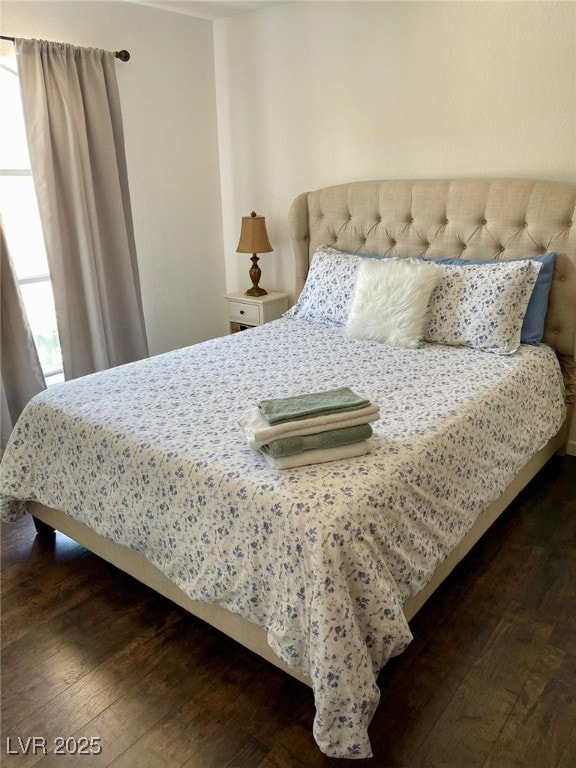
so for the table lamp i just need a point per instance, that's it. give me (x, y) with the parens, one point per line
(254, 240)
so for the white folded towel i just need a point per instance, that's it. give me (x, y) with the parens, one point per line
(318, 456)
(258, 431)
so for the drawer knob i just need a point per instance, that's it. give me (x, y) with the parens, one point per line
(241, 311)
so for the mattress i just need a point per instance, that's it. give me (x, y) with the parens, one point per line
(150, 455)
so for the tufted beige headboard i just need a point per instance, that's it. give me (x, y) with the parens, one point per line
(465, 218)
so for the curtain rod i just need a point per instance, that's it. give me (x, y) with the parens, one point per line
(122, 55)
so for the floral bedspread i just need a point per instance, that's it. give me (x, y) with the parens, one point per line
(150, 455)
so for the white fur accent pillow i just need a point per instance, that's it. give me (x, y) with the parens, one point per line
(390, 301)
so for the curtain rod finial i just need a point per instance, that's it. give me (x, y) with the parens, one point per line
(123, 55)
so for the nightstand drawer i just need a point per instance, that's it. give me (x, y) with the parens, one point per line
(250, 311)
(247, 313)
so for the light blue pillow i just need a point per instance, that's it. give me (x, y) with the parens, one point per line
(533, 325)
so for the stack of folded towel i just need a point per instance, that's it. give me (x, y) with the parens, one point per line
(310, 429)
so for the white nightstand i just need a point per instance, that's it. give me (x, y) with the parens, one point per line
(249, 311)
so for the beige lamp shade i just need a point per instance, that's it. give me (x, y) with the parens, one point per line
(253, 237)
(254, 240)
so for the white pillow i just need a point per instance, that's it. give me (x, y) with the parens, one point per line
(482, 306)
(390, 301)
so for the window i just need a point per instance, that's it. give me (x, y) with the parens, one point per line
(21, 221)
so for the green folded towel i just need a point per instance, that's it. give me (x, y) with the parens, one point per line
(333, 438)
(298, 407)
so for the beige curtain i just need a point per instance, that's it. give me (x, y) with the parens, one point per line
(22, 376)
(75, 138)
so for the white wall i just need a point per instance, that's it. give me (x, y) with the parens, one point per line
(167, 93)
(312, 94)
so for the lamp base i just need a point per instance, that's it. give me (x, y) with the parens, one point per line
(257, 291)
(255, 274)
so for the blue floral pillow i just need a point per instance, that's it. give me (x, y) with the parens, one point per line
(482, 306)
(533, 324)
(328, 290)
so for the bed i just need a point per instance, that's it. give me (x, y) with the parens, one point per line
(318, 569)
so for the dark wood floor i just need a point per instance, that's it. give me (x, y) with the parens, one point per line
(488, 682)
